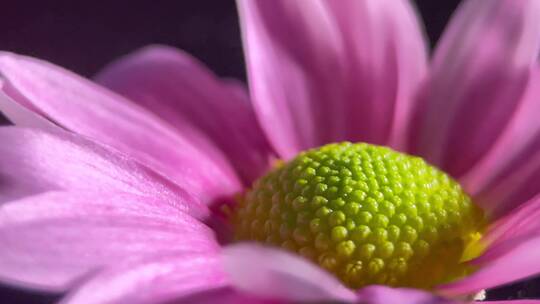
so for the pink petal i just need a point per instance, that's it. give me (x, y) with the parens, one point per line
(179, 89)
(153, 280)
(88, 109)
(52, 239)
(276, 274)
(521, 221)
(20, 115)
(522, 129)
(478, 77)
(385, 295)
(512, 302)
(226, 295)
(36, 161)
(325, 71)
(508, 261)
(515, 184)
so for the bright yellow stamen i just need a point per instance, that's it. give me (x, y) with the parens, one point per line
(366, 213)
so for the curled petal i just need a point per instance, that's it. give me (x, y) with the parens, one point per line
(50, 240)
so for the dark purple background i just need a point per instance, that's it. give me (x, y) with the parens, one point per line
(85, 35)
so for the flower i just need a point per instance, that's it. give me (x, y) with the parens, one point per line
(112, 192)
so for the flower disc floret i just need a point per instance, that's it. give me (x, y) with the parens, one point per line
(366, 213)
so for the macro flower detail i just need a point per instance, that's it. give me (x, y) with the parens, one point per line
(353, 171)
(367, 214)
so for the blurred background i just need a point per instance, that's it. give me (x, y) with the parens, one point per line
(85, 35)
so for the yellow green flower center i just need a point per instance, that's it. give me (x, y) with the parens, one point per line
(368, 214)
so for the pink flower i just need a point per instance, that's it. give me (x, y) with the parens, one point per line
(110, 191)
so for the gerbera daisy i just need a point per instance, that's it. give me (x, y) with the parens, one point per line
(352, 172)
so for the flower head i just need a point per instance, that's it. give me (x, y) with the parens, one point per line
(142, 187)
(368, 214)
